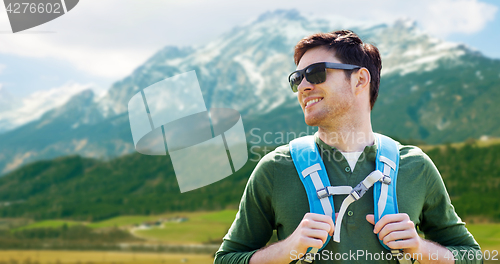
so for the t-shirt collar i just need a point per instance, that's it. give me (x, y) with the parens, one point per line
(368, 150)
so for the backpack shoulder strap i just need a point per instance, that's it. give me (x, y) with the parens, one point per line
(312, 173)
(384, 193)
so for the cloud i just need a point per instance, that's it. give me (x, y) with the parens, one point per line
(21, 111)
(464, 16)
(110, 38)
(437, 17)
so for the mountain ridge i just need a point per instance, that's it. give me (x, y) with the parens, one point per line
(431, 90)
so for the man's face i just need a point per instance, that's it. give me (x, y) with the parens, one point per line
(327, 103)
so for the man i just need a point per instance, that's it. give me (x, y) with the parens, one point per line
(340, 105)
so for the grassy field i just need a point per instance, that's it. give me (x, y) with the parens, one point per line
(121, 221)
(199, 228)
(221, 217)
(203, 227)
(487, 235)
(97, 257)
(48, 223)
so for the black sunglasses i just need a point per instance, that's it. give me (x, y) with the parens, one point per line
(316, 73)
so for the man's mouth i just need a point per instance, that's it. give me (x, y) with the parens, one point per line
(312, 101)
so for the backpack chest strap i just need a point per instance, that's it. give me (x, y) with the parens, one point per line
(354, 195)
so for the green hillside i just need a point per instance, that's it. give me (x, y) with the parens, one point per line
(446, 105)
(472, 176)
(76, 188)
(83, 189)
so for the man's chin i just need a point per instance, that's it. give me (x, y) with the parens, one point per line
(311, 122)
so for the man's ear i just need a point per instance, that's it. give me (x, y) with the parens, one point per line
(362, 80)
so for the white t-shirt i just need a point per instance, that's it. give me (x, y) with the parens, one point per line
(352, 158)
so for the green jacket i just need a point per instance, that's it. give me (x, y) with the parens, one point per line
(275, 199)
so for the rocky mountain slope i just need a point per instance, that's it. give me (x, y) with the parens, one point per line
(431, 90)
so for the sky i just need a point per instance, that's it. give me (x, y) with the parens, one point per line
(100, 42)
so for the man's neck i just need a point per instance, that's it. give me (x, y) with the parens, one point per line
(348, 138)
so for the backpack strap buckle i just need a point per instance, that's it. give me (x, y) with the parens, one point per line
(358, 191)
(323, 193)
(386, 180)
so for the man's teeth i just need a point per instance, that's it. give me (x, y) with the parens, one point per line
(313, 101)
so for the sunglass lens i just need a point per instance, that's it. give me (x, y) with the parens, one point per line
(295, 80)
(316, 74)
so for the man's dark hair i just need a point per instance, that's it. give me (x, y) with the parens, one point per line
(348, 49)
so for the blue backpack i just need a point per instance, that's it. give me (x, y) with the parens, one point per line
(312, 173)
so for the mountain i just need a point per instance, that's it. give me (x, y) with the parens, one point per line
(7, 103)
(16, 111)
(431, 90)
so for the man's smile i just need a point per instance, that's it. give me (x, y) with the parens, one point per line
(310, 101)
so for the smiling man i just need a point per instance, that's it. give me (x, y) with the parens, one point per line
(336, 82)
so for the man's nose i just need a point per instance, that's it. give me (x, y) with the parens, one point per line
(304, 86)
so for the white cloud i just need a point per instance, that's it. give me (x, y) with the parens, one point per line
(464, 16)
(110, 38)
(437, 17)
(33, 106)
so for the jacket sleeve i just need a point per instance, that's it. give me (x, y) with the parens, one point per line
(441, 224)
(254, 222)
